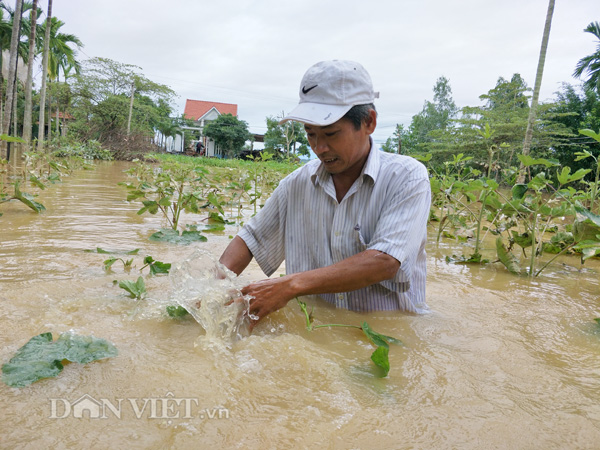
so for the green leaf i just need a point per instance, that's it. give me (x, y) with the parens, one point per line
(475, 258)
(590, 133)
(588, 214)
(507, 258)
(381, 359)
(136, 289)
(42, 358)
(176, 311)
(377, 338)
(172, 236)
(36, 181)
(109, 262)
(27, 199)
(84, 349)
(158, 267)
(523, 240)
(527, 161)
(7, 138)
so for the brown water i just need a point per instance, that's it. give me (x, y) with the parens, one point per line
(499, 363)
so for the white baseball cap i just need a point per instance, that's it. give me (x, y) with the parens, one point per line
(329, 89)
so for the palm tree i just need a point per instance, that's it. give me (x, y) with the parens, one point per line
(11, 84)
(591, 63)
(536, 88)
(46, 51)
(61, 55)
(27, 118)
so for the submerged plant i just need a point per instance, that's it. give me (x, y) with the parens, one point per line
(379, 356)
(42, 357)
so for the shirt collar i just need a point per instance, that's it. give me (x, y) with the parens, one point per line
(318, 174)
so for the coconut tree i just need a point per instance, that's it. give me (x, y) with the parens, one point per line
(536, 88)
(27, 118)
(61, 56)
(10, 87)
(46, 51)
(591, 64)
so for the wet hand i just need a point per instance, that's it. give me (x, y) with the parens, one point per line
(267, 296)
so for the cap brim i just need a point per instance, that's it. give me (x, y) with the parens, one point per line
(317, 113)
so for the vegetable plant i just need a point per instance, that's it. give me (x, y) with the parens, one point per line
(379, 356)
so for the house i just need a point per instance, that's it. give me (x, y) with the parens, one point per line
(202, 112)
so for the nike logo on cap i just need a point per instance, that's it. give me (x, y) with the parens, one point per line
(306, 91)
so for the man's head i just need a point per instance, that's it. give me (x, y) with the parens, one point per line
(330, 89)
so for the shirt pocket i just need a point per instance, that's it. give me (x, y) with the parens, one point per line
(360, 243)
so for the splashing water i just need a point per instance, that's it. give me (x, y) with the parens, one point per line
(211, 294)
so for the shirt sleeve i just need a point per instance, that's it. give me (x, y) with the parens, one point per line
(402, 226)
(264, 234)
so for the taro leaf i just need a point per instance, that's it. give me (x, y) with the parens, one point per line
(27, 199)
(176, 311)
(84, 349)
(37, 359)
(136, 289)
(377, 338)
(172, 236)
(381, 359)
(509, 260)
(42, 358)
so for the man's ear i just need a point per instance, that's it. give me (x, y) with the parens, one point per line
(371, 122)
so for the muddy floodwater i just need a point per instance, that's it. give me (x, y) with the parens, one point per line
(500, 362)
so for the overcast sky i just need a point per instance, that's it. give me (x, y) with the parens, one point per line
(254, 53)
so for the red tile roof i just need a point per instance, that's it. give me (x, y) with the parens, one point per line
(194, 109)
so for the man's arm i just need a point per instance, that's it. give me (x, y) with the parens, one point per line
(356, 272)
(236, 256)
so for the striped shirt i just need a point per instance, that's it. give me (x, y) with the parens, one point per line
(386, 209)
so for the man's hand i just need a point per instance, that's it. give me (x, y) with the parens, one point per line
(268, 296)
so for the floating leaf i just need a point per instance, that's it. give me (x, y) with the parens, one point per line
(173, 236)
(177, 311)
(42, 358)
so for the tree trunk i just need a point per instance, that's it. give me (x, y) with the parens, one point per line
(27, 118)
(41, 131)
(536, 89)
(130, 108)
(12, 68)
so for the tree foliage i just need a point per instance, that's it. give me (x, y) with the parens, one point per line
(229, 133)
(590, 64)
(101, 98)
(286, 137)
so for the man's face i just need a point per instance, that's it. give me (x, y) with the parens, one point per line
(340, 146)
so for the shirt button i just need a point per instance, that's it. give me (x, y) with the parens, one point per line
(337, 233)
(340, 296)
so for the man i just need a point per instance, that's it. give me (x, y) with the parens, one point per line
(351, 226)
